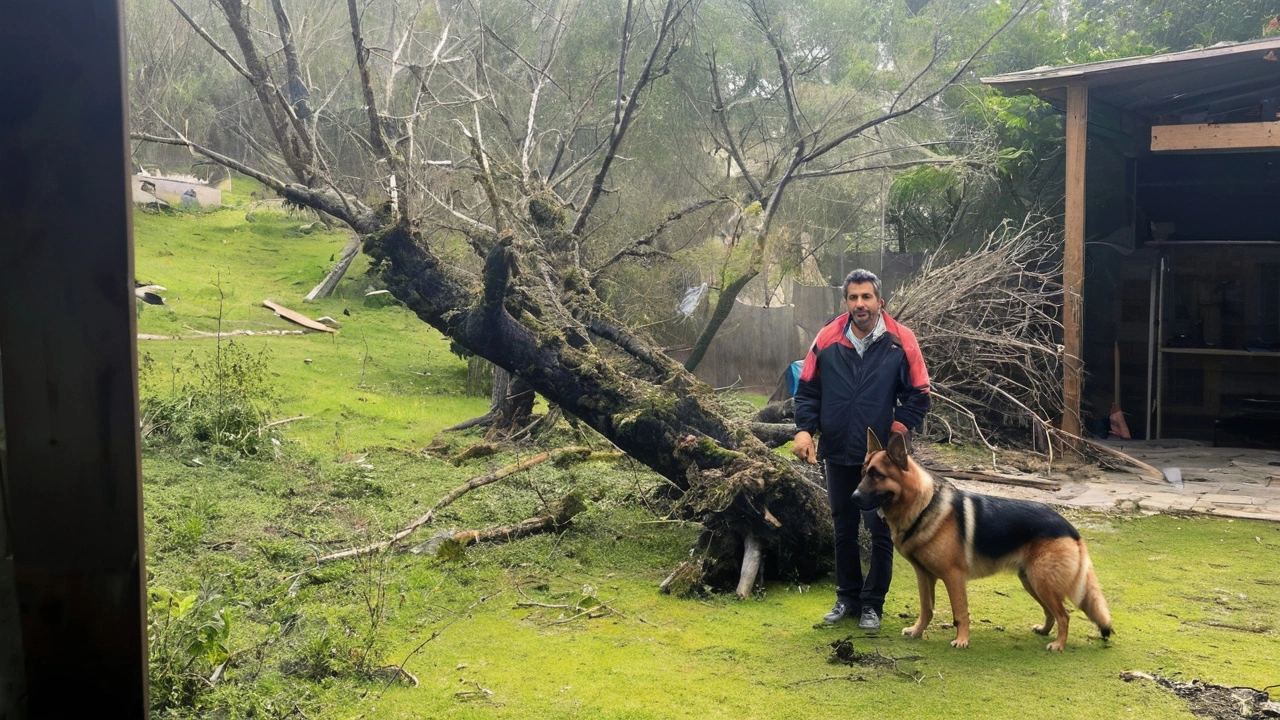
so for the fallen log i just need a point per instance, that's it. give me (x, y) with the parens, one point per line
(476, 482)
(330, 281)
(773, 434)
(552, 334)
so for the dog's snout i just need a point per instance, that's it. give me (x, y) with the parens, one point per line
(868, 500)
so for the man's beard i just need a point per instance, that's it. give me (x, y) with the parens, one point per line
(866, 325)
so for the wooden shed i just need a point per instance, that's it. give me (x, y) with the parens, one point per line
(1172, 239)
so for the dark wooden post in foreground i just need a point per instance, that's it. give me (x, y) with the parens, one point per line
(67, 348)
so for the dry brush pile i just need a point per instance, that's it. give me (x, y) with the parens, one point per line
(988, 326)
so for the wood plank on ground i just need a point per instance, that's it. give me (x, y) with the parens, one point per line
(297, 317)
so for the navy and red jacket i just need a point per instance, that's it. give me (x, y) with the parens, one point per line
(841, 394)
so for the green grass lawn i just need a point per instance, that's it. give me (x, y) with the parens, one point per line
(1191, 597)
(386, 378)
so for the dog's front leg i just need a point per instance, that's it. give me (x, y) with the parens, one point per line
(958, 592)
(926, 583)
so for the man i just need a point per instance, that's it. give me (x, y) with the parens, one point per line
(863, 371)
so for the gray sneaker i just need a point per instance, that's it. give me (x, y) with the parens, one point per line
(837, 613)
(870, 620)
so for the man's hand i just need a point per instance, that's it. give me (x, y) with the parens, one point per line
(803, 447)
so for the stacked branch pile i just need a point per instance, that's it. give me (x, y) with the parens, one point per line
(988, 326)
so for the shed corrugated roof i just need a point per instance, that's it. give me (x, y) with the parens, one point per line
(1228, 79)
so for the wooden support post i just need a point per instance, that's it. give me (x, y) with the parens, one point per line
(67, 329)
(1073, 257)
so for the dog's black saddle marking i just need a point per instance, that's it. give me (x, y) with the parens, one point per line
(1002, 525)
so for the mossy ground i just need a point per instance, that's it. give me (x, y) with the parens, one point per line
(1197, 597)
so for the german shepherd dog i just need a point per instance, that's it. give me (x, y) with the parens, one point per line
(953, 535)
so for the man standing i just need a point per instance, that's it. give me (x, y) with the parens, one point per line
(864, 371)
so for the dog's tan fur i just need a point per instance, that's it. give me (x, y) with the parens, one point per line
(1052, 570)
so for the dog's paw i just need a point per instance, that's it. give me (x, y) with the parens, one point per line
(960, 644)
(1055, 646)
(912, 632)
(1040, 629)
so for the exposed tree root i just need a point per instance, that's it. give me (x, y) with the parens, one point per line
(481, 421)
(750, 566)
(479, 450)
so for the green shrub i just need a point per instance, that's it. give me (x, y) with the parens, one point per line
(220, 404)
(187, 638)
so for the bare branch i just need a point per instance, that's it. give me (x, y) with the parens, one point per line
(720, 111)
(235, 65)
(357, 216)
(839, 140)
(623, 116)
(295, 149)
(652, 235)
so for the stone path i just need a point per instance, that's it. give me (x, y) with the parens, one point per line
(1230, 482)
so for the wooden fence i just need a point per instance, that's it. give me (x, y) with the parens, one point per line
(756, 344)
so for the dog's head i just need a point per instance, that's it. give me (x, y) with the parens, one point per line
(886, 472)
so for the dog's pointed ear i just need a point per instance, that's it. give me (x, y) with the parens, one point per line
(873, 442)
(898, 450)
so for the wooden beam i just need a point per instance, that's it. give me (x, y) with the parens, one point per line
(67, 326)
(1215, 136)
(1073, 256)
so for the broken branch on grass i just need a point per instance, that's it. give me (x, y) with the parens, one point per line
(478, 692)
(559, 517)
(456, 493)
(590, 613)
(435, 634)
(274, 423)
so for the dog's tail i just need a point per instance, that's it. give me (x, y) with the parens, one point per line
(1088, 594)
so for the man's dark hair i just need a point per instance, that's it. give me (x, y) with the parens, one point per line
(862, 276)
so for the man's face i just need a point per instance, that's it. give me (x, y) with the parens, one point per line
(863, 305)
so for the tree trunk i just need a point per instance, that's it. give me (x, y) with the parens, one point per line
(724, 305)
(511, 403)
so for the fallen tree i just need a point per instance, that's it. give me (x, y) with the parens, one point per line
(493, 151)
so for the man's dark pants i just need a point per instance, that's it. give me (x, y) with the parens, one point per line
(858, 594)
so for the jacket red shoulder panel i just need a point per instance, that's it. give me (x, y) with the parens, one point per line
(830, 334)
(918, 373)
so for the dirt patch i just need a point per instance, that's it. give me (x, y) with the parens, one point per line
(844, 653)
